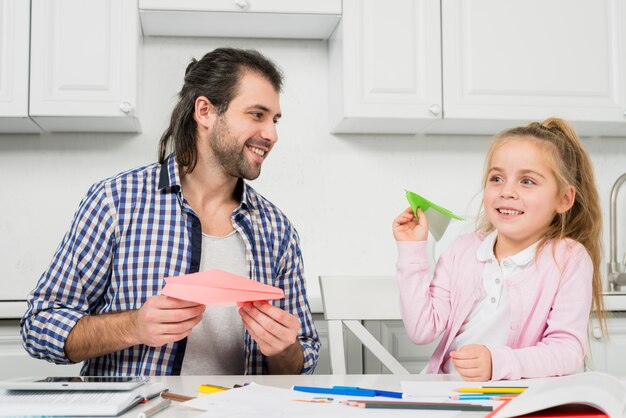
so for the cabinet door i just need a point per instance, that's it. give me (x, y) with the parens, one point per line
(14, 38)
(84, 65)
(15, 361)
(240, 18)
(606, 354)
(507, 63)
(385, 67)
(394, 338)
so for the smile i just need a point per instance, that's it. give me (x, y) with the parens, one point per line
(510, 211)
(257, 151)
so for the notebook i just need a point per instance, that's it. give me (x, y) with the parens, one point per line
(75, 403)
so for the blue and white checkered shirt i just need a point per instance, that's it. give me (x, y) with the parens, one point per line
(131, 231)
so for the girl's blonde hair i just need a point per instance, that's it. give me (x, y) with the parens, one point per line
(571, 166)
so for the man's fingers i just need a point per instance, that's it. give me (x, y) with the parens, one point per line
(278, 315)
(269, 343)
(165, 316)
(262, 324)
(167, 302)
(177, 327)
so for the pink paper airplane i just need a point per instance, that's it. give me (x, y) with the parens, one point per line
(217, 286)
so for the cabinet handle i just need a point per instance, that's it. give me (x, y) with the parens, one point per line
(435, 109)
(126, 108)
(597, 333)
(242, 4)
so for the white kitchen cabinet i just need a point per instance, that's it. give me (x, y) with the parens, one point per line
(385, 67)
(606, 353)
(393, 337)
(354, 349)
(14, 60)
(15, 361)
(505, 63)
(240, 18)
(84, 65)
(491, 65)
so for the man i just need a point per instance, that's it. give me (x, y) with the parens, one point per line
(98, 301)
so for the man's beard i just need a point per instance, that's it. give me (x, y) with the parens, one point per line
(229, 154)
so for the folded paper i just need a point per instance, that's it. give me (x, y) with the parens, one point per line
(438, 217)
(217, 286)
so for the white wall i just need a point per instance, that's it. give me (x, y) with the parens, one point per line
(341, 192)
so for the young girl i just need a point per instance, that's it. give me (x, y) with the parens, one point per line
(512, 300)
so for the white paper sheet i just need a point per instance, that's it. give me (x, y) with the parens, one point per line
(266, 401)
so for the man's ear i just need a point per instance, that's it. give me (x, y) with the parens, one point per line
(203, 112)
(566, 199)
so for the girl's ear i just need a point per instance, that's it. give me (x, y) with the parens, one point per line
(566, 200)
(203, 112)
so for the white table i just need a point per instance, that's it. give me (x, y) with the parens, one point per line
(188, 385)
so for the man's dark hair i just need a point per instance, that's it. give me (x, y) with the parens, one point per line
(216, 76)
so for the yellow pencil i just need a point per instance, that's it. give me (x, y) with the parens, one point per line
(492, 390)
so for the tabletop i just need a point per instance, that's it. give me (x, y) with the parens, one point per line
(188, 385)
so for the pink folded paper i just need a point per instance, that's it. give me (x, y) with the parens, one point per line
(217, 286)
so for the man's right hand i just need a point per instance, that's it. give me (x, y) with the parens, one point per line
(163, 319)
(159, 321)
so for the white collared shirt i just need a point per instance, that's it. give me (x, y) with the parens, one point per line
(490, 319)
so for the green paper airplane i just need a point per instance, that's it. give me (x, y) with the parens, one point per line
(438, 217)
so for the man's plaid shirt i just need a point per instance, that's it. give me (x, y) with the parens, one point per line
(130, 232)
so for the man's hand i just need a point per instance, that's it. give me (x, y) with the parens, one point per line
(163, 319)
(159, 321)
(473, 362)
(276, 333)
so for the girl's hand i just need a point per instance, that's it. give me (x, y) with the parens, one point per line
(406, 227)
(473, 362)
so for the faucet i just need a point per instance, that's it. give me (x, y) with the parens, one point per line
(616, 271)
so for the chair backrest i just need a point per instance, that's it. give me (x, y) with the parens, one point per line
(347, 301)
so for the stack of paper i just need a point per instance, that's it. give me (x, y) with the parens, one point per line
(265, 401)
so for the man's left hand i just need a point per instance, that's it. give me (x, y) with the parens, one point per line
(473, 362)
(272, 328)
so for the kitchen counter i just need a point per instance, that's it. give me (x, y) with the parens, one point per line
(613, 301)
(15, 309)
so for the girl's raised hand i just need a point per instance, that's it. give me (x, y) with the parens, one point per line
(406, 227)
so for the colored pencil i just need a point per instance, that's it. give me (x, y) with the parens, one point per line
(208, 388)
(497, 390)
(418, 405)
(175, 396)
(477, 396)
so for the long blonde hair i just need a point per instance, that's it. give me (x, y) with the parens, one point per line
(571, 166)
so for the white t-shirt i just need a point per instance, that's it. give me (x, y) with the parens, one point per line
(490, 319)
(215, 346)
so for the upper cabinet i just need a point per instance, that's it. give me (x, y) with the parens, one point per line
(83, 70)
(14, 39)
(80, 72)
(385, 67)
(240, 18)
(502, 64)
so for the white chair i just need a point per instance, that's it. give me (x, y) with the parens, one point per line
(347, 301)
